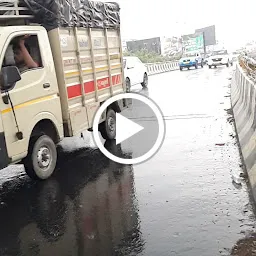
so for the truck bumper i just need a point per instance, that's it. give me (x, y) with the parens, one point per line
(4, 158)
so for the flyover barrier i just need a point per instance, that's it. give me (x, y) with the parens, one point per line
(243, 100)
(161, 67)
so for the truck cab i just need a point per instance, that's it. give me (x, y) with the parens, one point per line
(32, 101)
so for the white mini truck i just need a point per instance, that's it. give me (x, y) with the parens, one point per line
(79, 67)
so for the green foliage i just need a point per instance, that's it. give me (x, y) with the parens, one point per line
(150, 57)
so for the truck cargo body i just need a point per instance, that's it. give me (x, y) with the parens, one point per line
(89, 70)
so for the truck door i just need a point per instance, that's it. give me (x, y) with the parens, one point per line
(34, 96)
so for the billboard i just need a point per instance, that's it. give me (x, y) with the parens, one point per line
(151, 45)
(209, 35)
(193, 42)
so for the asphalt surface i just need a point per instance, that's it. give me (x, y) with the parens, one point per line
(183, 201)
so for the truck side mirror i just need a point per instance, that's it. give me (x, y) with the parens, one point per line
(9, 77)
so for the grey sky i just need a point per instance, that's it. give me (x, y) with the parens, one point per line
(145, 18)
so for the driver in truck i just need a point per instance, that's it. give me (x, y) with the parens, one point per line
(22, 57)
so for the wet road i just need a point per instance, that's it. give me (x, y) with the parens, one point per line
(181, 202)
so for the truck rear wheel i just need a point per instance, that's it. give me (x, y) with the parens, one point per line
(41, 160)
(108, 127)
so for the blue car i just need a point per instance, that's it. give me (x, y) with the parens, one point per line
(191, 61)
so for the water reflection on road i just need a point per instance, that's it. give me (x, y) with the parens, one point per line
(181, 202)
(87, 208)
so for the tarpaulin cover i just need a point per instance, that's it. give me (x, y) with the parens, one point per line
(74, 13)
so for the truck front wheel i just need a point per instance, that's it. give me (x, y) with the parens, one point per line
(108, 127)
(41, 160)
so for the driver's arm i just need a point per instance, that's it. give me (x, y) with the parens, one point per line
(30, 63)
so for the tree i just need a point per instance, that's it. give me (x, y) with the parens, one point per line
(151, 57)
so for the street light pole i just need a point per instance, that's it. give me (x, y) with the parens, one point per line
(204, 44)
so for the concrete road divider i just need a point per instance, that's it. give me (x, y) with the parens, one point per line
(157, 68)
(243, 99)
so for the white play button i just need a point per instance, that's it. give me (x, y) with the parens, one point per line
(139, 129)
(125, 128)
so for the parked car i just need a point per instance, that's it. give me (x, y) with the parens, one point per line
(191, 60)
(135, 72)
(220, 58)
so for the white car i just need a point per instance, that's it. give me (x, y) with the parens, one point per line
(219, 58)
(135, 72)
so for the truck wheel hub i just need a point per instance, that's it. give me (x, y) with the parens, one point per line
(43, 157)
(111, 124)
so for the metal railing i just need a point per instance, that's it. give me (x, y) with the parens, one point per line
(161, 67)
(11, 9)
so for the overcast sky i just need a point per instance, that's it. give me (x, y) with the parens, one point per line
(234, 19)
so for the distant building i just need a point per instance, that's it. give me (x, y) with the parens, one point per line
(170, 46)
(151, 45)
